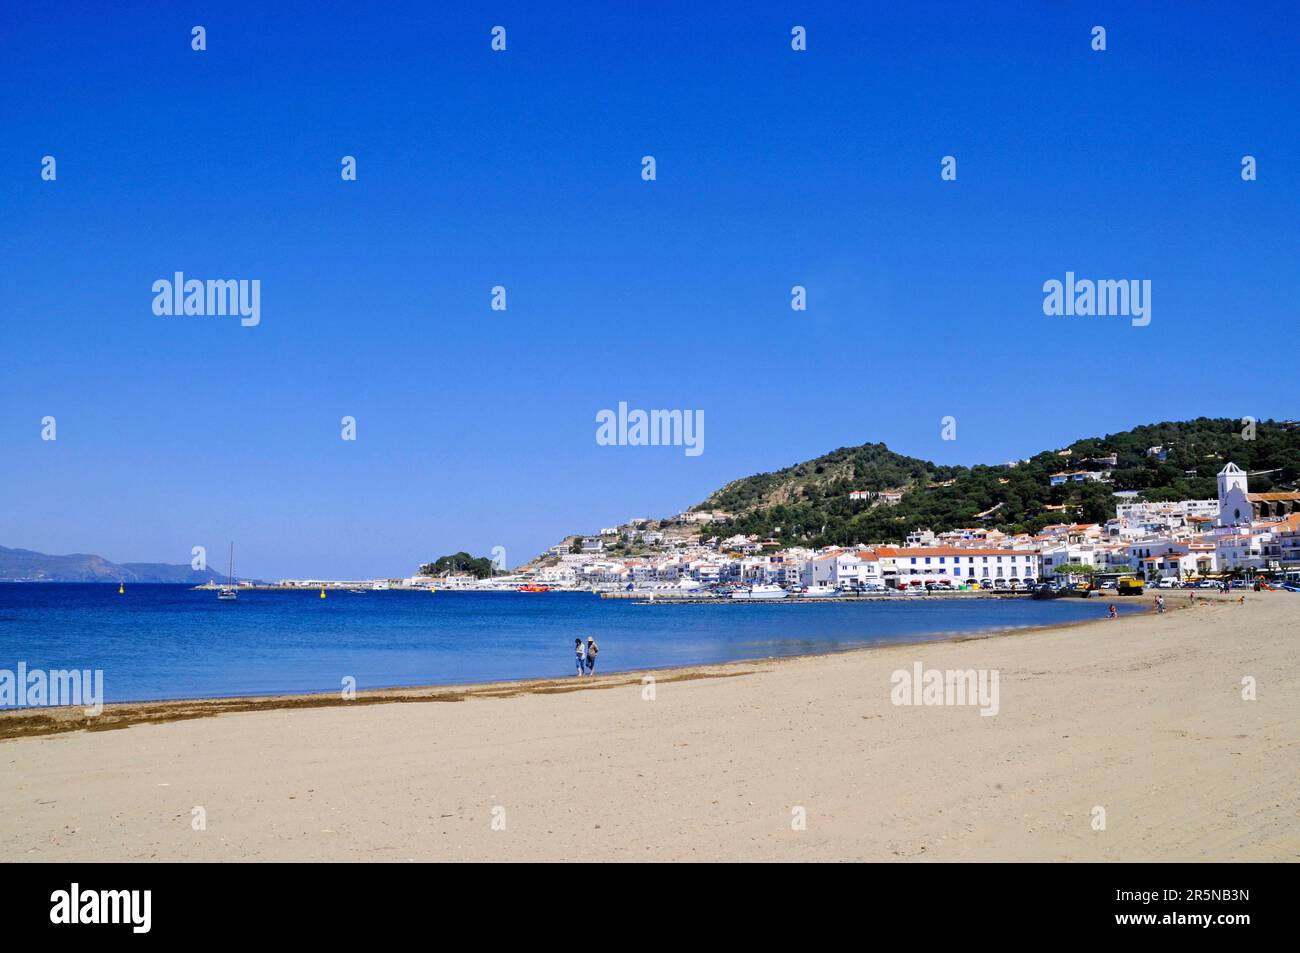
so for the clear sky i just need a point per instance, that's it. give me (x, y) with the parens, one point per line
(476, 428)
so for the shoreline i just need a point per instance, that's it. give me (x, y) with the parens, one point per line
(31, 722)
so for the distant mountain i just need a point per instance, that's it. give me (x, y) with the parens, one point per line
(24, 565)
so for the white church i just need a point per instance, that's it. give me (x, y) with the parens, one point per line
(1237, 506)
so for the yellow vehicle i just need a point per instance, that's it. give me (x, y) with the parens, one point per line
(1129, 586)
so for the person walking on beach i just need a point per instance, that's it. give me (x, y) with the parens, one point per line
(1160, 604)
(581, 654)
(592, 650)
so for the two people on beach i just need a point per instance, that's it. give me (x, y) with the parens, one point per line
(586, 656)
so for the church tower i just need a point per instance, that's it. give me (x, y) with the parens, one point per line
(1234, 507)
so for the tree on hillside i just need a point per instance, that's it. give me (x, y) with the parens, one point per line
(462, 563)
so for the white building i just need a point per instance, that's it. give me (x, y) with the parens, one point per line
(1079, 476)
(849, 569)
(1142, 512)
(1288, 542)
(1172, 558)
(1064, 554)
(919, 564)
(1246, 549)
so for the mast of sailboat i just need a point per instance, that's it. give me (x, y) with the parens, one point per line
(230, 571)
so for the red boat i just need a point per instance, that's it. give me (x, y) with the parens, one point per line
(533, 588)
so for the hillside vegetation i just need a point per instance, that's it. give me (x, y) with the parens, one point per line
(809, 502)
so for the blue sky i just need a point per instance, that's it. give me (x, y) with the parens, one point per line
(775, 168)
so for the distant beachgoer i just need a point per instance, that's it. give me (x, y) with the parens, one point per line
(1114, 613)
(592, 650)
(1160, 604)
(581, 654)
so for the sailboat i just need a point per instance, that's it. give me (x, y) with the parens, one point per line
(227, 592)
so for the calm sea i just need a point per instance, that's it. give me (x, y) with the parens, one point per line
(157, 642)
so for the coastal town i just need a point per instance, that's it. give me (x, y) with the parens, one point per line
(1250, 536)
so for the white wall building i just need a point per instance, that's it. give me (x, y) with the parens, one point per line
(849, 569)
(920, 564)
(1079, 476)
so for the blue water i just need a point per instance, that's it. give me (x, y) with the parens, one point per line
(158, 642)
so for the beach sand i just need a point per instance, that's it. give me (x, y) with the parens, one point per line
(1142, 717)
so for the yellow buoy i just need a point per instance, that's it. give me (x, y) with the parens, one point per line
(322, 592)
(120, 589)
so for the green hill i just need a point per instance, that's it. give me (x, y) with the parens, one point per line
(809, 502)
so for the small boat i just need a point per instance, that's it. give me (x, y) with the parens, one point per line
(357, 590)
(533, 587)
(821, 592)
(227, 592)
(760, 592)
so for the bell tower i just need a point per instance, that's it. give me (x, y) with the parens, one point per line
(1232, 496)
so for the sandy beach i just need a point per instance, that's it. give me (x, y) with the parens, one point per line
(1142, 718)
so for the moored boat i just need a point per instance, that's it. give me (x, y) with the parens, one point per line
(760, 592)
(227, 592)
(820, 592)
